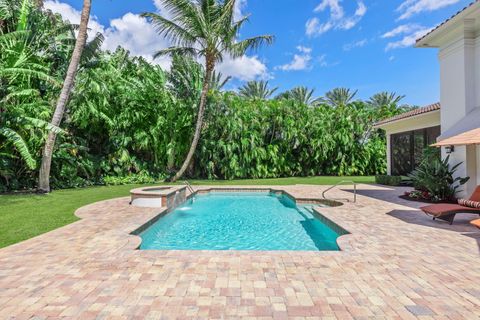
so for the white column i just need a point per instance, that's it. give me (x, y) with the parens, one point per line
(459, 97)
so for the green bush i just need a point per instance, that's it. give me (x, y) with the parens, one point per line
(142, 178)
(388, 180)
(436, 177)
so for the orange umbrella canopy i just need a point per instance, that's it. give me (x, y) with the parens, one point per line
(466, 138)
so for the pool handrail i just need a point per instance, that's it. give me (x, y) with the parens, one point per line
(340, 183)
(189, 186)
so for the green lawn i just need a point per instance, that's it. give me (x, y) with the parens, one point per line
(25, 216)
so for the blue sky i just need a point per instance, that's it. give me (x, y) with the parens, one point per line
(323, 44)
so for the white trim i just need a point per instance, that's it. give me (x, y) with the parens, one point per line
(432, 39)
(421, 115)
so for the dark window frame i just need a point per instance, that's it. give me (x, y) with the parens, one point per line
(425, 132)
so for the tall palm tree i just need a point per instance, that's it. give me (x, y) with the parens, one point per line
(205, 29)
(256, 90)
(302, 95)
(383, 99)
(339, 97)
(44, 175)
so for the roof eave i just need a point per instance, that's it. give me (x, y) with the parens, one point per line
(389, 123)
(431, 39)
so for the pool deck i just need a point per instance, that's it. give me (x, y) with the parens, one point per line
(396, 264)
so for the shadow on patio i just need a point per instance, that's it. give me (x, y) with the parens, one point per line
(385, 193)
(461, 225)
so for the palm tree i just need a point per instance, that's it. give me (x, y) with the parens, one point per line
(204, 29)
(302, 95)
(383, 99)
(256, 90)
(44, 175)
(218, 81)
(339, 97)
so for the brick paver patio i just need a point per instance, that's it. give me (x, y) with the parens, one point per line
(395, 264)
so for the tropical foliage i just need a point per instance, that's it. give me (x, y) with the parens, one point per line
(256, 90)
(339, 97)
(204, 29)
(436, 177)
(129, 121)
(302, 95)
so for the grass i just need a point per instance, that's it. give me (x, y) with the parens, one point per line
(25, 216)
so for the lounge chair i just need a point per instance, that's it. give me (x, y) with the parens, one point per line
(476, 223)
(447, 211)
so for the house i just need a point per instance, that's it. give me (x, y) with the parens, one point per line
(454, 122)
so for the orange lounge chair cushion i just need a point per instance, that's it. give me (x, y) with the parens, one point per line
(476, 223)
(441, 209)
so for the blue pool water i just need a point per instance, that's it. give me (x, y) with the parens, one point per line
(239, 221)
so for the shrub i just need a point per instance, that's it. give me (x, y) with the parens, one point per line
(142, 178)
(388, 180)
(435, 176)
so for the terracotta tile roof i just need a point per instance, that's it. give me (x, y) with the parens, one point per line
(412, 113)
(444, 22)
(466, 138)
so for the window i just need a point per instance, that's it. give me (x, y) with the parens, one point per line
(407, 148)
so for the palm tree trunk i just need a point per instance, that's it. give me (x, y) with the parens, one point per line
(210, 65)
(44, 175)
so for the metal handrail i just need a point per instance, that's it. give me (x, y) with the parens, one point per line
(189, 186)
(340, 183)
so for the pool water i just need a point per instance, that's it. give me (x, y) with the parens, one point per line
(239, 221)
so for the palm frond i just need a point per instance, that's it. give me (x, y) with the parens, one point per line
(170, 30)
(92, 48)
(240, 48)
(189, 52)
(20, 145)
(41, 124)
(15, 72)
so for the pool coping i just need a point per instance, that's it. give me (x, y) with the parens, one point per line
(340, 230)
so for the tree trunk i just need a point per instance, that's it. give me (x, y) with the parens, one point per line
(44, 175)
(201, 112)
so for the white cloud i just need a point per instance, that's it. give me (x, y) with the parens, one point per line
(355, 44)
(244, 68)
(322, 61)
(337, 20)
(411, 7)
(73, 15)
(304, 49)
(137, 35)
(239, 6)
(300, 61)
(408, 40)
(402, 29)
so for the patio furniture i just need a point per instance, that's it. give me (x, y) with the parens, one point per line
(447, 211)
(476, 223)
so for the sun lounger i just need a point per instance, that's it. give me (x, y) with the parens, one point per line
(447, 211)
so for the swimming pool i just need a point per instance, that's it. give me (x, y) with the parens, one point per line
(240, 221)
